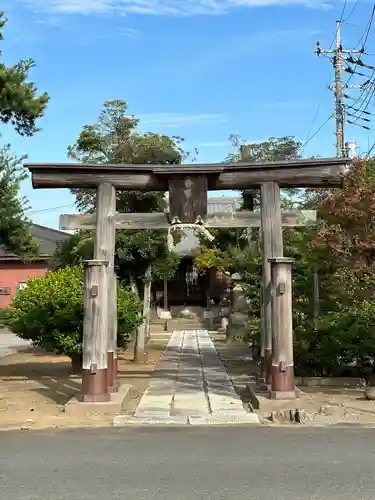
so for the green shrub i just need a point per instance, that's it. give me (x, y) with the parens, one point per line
(4, 314)
(49, 312)
(343, 336)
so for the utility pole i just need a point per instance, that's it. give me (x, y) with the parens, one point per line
(340, 151)
(338, 52)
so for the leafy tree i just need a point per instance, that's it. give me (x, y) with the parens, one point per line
(348, 234)
(71, 252)
(15, 233)
(49, 312)
(20, 105)
(238, 251)
(114, 139)
(210, 258)
(272, 149)
(342, 250)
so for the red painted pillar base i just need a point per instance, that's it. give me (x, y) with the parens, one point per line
(283, 386)
(95, 386)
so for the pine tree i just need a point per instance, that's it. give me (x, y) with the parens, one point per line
(21, 107)
(20, 104)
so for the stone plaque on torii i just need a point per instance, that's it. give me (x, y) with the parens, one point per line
(188, 186)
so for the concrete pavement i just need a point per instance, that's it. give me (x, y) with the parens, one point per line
(188, 463)
(190, 386)
(10, 343)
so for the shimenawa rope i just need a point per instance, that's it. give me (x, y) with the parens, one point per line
(197, 226)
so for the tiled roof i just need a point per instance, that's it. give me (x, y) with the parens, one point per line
(48, 238)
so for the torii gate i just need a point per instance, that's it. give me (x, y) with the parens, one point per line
(188, 186)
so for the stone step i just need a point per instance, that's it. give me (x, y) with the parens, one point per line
(172, 327)
(160, 320)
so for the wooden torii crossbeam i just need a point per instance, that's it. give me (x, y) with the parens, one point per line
(161, 220)
(316, 172)
(188, 186)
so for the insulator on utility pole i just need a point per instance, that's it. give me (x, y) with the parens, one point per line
(337, 61)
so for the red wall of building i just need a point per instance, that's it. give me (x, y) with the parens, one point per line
(14, 273)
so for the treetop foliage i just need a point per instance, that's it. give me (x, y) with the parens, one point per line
(114, 138)
(20, 104)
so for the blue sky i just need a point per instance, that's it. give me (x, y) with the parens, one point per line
(201, 69)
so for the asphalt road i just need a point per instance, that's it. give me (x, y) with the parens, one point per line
(188, 463)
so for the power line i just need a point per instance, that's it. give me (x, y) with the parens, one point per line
(310, 129)
(343, 10)
(366, 102)
(362, 41)
(50, 209)
(339, 86)
(351, 12)
(370, 150)
(316, 132)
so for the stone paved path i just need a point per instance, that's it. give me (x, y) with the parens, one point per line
(190, 386)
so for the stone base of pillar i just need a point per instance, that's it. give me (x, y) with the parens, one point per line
(284, 395)
(95, 386)
(282, 382)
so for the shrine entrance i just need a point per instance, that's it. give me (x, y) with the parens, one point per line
(186, 288)
(188, 186)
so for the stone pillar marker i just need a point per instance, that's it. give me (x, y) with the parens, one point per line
(282, 369)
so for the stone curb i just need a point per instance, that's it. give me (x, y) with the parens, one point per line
(342, 382)
(228, 419)
(125, 420)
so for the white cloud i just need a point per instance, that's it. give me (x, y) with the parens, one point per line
(161, 7)
(177, 120)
